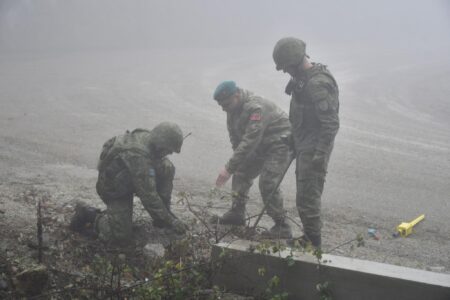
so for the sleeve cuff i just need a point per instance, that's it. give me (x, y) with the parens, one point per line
(228, 168)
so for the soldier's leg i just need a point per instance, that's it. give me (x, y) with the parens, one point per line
(165, 172)
(241, 183)
(310, 184)
(276, 161)
(115, 224)
(274, 165)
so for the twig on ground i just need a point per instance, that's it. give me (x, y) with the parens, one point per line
(204, 223)
(342, 244)
(39, 230)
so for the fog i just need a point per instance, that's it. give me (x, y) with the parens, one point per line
(74, 73)
(51, 25)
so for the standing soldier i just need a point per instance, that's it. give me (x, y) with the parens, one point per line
(256, 127)
(314, 117)
(133, 163)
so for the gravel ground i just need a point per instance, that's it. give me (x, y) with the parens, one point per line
(391, 160)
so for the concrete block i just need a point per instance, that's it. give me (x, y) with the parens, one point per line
(348, 278)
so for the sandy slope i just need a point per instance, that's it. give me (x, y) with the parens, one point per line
(391, 160)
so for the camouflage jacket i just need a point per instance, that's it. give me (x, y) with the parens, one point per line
(314, 110)
(126, 165)
(253, 127)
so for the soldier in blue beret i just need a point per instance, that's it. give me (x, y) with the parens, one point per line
(256, 127)
(225, 90)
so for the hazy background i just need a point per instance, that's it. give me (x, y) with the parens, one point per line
(52, 25)
(74, 73)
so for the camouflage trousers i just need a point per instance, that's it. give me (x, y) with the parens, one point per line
(310, 183)
(269, 167)
(115, 224)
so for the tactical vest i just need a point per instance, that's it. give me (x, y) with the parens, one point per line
(135, 141)
(302, 112)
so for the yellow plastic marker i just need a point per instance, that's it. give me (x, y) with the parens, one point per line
(405, 229)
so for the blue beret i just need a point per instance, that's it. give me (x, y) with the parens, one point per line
(225, 90)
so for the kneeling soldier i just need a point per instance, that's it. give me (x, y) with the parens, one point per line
(129, 164)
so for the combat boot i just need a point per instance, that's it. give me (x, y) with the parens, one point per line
(84, 218)
(316, 241)
(281, 230)
(235, 216)
(312, 241)
(159, 224)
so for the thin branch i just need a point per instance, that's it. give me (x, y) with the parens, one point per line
(198, 217)
(39, 230)
(340, 245)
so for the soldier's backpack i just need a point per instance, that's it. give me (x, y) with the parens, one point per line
(130, 141)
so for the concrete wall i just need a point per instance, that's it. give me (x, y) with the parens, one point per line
(349, 278)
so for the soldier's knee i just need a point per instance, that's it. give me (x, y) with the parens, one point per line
(267, 183)
(268, 190)
(310, 205)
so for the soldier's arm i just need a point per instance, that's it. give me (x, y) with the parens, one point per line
(143, 175)
(250, 141)
(233, 138)
(325, 97)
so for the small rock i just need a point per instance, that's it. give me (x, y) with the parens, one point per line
(153, 251)
(122, 257)
(32, 281)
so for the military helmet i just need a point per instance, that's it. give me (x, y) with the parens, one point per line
(167, 135)
(288, 51)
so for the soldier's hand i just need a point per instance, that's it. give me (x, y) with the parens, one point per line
(179, 227)
(222, 178)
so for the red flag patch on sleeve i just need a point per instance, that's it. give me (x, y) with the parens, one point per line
(255, 117)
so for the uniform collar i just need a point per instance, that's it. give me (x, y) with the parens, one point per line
(245, 95)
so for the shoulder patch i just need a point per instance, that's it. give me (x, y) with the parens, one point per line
(317, 91)
(255, 117)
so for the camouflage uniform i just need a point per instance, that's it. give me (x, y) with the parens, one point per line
(128, 166)
(314, 117)
(256, 128)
